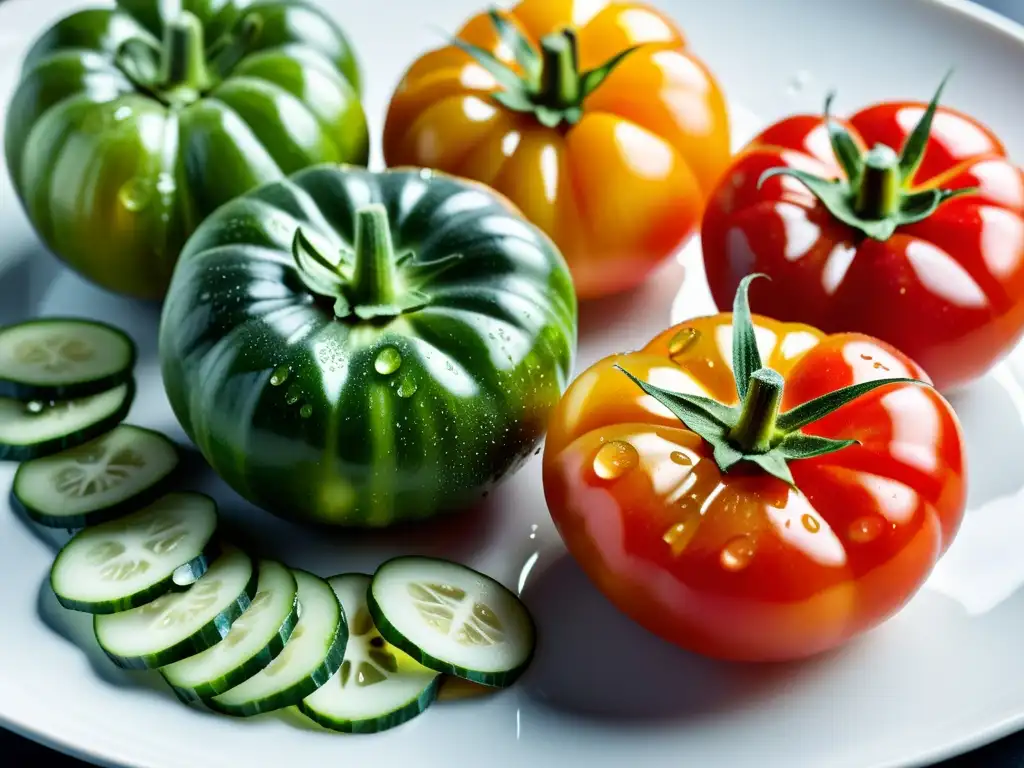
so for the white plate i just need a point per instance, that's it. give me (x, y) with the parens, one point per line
(943, 676)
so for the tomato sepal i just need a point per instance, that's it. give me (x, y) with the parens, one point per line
(551, 86)
(755, 431)
(877, 195)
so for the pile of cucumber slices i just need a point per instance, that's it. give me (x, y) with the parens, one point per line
(240, 635)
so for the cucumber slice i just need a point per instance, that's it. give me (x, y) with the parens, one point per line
(29, 430)
(255, 640)
(181, 624)
(378, 686)
(122, 564)
(107, 478)
(452, 619)
(56, 358)
(312, 655)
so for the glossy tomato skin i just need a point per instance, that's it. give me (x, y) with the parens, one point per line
(619, 191)
(739, 566)
(355, 424)
(115, 177)
(948, 291)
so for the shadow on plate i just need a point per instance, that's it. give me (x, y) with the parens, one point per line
(595, 662)
(76, 628)
(456, 535)
(992, 413)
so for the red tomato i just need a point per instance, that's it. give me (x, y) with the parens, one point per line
(738, 564)
(947, 290)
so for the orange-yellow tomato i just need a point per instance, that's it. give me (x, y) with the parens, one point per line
(740, 565)
(621, 184)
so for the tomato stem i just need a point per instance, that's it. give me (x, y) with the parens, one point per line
(879, 189)
(374, 277)
(755, 428)
(560, 86)
(184, 76)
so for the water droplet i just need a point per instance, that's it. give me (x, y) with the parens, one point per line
(426, 174)
(737, 554)
(35, 406)
(680, 458)
(280, 375)
(293, 394)
(679, 536)
(811, 523)
(388, 361)
(865, 529)
(798, 82)
(615, 459)
(306, 411)
(135, 194)
(683, 341)
(123, 112)
(165, 184)
(407, 388)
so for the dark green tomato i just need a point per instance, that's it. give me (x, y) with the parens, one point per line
(127, 129)
(361, 349)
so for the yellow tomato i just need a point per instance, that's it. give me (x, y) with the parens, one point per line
(592, 117)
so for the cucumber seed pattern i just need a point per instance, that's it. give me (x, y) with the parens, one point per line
(53, 354)
(172, 609)
(447, 609)
(379, 661)
(93, 472)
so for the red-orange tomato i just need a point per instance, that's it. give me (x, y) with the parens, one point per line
(618, 191)
(948, 291)
(741, 565)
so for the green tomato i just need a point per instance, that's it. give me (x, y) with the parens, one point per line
(361, 349)
(128, 129)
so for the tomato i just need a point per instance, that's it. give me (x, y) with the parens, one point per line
(924, 250)
(130, 124)
(594, 118)
(758, 532)
(361, 349)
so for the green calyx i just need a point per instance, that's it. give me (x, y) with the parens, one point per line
(371, 282)
(549, 84)
(180, 70)
(755, 431)
(877, 195)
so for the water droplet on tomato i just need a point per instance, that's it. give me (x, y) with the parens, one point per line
(306, 411)
(34, 406)
(426, 174)
(737, 554)
(679, 536)
(683, 341)
(865, 529)
(280, 375)
(122, 113)
(407, 388)
(615, 459)
(388, 361)
(680, 458)
(135, 194)
(292, 395)
(811, 523)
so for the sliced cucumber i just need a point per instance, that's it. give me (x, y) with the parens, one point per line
(29, 430)
(312, 655)
(106, 478)
(126, 563)
(378, 686)
(55, 358)
(181, 624)
(255, 640)
(452, 619)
